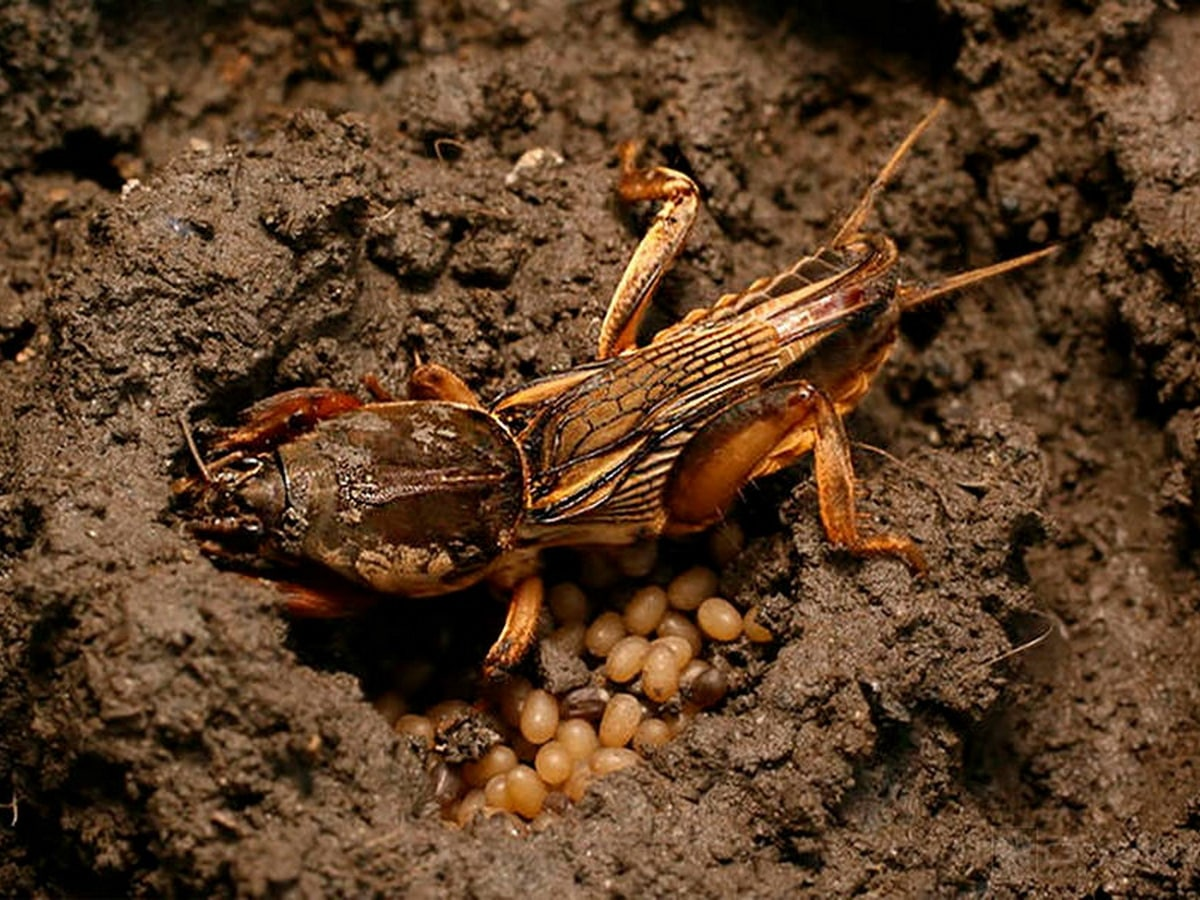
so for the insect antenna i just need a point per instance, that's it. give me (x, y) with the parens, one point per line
(1054, 625)
(853, 224)
(191, 443)
(913, 295)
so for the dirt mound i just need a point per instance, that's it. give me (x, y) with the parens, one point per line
(201, 207)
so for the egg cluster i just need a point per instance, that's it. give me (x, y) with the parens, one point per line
(646, 635)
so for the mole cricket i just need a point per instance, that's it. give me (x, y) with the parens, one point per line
(437, 492)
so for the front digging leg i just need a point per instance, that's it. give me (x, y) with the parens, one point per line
(283, 417)
(430, 381)
(520, 628)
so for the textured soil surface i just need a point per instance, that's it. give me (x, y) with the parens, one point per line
(200, 206)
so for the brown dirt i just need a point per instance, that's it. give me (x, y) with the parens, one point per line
(203, 206)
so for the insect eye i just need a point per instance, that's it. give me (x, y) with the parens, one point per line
(235, 472)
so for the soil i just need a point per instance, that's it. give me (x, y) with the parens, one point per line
(201, 206)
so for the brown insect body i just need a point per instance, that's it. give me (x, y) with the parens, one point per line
(602, 449)
(411, 497)
(432, 494)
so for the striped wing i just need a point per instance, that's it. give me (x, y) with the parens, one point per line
(601, 440)
(804, 302)
(603, 448)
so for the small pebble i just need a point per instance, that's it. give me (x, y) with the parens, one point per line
(584, 703)
(470, 806)
(625, 658)
(706, 687)
(539, 717)
(553, 763)
(576, 785)
(719, 619)
(415, 726)
(613, 759)
(651, 734)
(660, 673)
(499, 759)
(495, 792)
(603, 633)
(512, 696)
(526, 792)
(691, 672)
(758, 633)
(620, 721)
(725, 543)
(676, 624)
(645, 610)
(578, 738)
(688, 589)
(568, 603)
(637, 560)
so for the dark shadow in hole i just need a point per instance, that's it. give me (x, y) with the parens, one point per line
(86, 154)
(916, 30)
(430, 649)
(427, 649)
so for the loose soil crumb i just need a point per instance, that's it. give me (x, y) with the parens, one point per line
(203, 206)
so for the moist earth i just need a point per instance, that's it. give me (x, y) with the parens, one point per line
(204, 205)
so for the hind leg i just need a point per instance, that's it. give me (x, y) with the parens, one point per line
(764, 434)
(662, 243)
